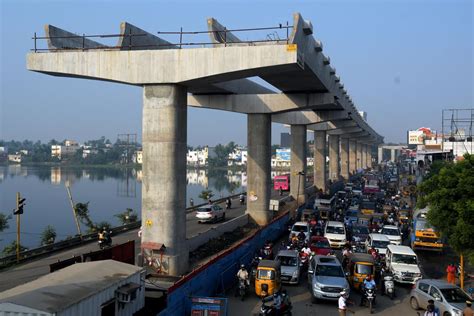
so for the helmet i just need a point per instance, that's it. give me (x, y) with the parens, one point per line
(343, 292)
(242, 266)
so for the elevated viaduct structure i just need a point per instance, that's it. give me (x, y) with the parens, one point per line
(308, 95)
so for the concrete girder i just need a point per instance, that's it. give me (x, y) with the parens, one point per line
(343, 131)
(356, 136)
(266, 103)
(134, 38)
(323, 126)
(59, 39)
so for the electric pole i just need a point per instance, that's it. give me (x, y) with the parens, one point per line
(20, 203)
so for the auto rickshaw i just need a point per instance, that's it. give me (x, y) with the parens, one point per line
(360, 266)
(403, 216)
(267, 279)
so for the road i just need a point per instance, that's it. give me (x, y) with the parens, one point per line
(34, 269)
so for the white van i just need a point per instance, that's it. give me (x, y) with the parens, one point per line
(403, 263)
(378, 241)
(335, 232)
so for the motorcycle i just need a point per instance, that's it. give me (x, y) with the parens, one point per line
(269, 309)
(242, 200)
(389, 286)
(369, 298)
(304, 257)
(106, 242)
(242, 289)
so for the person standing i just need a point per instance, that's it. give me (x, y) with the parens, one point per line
(191, 202)
(342, 303)
(468, 310)
(451, 273)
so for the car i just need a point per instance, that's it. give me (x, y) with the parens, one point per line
(301, 227)
(393, 234)
(210, 213)
(335, 232)
(351, 215)
(448, 298)
(320, 245)
(379, 242)
(402, 262)
(326, 278)
(290, 266)
(359, 233)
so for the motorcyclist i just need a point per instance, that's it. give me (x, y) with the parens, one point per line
(228, 203)
(294, 239)
(242, 199)
(243, 275)
(383, 272)
(285, 300)
(367, 285)
(301, 236)
(306, 249)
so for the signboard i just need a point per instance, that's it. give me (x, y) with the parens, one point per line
(283, 154)
(416, 137)
(208, 306)
(274, 205)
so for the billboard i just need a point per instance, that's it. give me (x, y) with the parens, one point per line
(416, 137)
(283, 154)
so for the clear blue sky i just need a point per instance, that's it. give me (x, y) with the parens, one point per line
(401, 61)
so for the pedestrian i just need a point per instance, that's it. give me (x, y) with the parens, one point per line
(431, 305)
(342, 303)
(210, 202)
(451, 273)
(280, 191)
(468, 310)
(191, 202)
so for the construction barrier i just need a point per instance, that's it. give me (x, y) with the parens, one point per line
(219, 274)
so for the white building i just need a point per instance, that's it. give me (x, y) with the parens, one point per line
(199, 158)
(88, 150)
(16, 158)
(96, 288)
(69, 148)
(138, 157)
(238, 157)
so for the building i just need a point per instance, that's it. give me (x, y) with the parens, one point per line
(282, 158)
(285, 140)
(199, 158)
(88, 150)
(69, 149)
(15, 158)
(96, 288)
(238, 157)
(138, 157)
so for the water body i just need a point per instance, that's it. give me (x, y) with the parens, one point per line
(109, 191)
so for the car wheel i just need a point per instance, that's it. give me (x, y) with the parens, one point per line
(446, 314)
(414, 303)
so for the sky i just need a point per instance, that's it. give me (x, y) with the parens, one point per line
(401, 61)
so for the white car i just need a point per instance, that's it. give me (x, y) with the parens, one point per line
(301, 227)
(403, 263)
(210, 213)
(393, 234)
(379, 242)
(335, 232)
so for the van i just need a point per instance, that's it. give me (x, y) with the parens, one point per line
(402, 262)
(379, 242)
(335, 232)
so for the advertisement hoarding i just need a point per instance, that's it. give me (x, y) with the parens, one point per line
(415, 137)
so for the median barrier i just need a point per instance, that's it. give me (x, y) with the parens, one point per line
(201, 238)
(219, 274)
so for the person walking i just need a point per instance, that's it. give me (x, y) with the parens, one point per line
(451, 273)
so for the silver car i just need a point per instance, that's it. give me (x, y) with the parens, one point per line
(326, 278)
(448, 298)
(290, 266)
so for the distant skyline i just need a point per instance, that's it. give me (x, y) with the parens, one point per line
(402, 62)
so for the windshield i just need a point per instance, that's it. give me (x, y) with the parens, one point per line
(335, 230)
(406, 259)
(368, 205)
(287, 261)
(455, 295)
(363, 269)
(390, 232)
(360, 230)
(422, 225)
(298, 228)
(321, 244)
(280, 180)
(331, 271)
(266, 274)
(380, 243)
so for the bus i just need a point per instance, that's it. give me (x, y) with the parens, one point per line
(425, 237)
(281, 182)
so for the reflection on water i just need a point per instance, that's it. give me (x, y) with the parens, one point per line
(109, 191)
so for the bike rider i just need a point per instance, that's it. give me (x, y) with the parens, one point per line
(367, 285)
(242, 199)
(243, 275)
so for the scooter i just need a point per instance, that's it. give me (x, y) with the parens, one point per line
(389, 286)
(304, 257)
(242, 289)
(268, 310)
(369, 298)
(105, 243)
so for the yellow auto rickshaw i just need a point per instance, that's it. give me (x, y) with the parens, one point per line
(359, 267)
(267, 278)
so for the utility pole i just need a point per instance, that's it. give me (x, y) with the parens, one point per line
(461, 272)
(74, 211)
(20, 203)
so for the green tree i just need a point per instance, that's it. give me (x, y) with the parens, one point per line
(206, 195)
(127, 217)
(48, 236)
(449, 193)
(4, 221)
(82, 212)
(100, 226)
(11, 249)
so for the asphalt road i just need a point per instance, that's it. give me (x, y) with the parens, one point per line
(32, 270)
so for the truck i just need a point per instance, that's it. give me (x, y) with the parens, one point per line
(425, 237)
(281, 182)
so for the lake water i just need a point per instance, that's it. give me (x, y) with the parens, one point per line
(109, 191)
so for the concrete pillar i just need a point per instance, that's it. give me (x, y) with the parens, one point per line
(298, 162)
(392, 155)
(259, 131)
(344, 158)
(363, 161)
(369, 156)
(358, 155)
(164, 176)
(380, 154)
(352, 156)
(320, 174)
(334, 157)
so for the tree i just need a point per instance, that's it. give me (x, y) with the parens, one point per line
(82, 212)
(4, 221)
(206, 195)
(127, 217)
(449, 192)
(48, 236)
(100, 226)
(11, 249)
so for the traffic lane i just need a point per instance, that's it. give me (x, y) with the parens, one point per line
(301, 300)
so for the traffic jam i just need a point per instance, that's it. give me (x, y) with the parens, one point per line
(350, 247)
